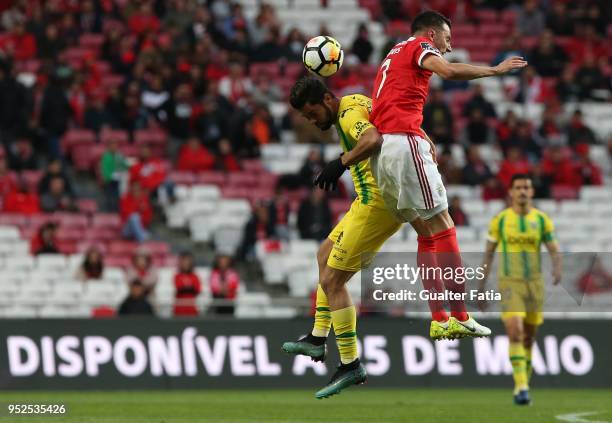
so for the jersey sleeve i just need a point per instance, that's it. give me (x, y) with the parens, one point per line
(354, 121)
(423, 49)
(493, 234)
(548, 230)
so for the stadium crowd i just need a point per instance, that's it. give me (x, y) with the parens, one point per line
(131, 93)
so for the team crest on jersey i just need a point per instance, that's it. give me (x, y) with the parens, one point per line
(428, 47)
(533, 224)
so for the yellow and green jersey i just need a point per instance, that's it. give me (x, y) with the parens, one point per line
(353, 121)
(519, 239)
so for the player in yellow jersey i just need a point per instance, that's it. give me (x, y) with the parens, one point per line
(364, 228)
(517, 234)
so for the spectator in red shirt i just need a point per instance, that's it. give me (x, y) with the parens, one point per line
(143, 20)
(515, 162)
(45, 241)
(456, 212)
(20, 44)
(136, 213)
(151, 173)
(22, 201)
(227, 159)
(588, 173)
(493, 190)
(224, 282)
(560, 168)
(194, 157)
(188, 286)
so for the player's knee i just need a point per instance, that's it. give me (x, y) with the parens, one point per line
(331, 284)
(515, 335)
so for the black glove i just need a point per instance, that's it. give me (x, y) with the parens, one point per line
(328, 178)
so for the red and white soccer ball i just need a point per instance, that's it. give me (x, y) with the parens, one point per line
(323, 55)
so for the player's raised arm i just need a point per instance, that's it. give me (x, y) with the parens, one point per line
(464, 71)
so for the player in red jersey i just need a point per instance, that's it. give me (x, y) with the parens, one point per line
(404, 168)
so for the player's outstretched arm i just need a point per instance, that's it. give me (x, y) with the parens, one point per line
(464, 71)
(369, 144)
(553, 249)
(486, 265)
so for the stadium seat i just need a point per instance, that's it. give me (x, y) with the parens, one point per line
(9, 234)
(106, 220)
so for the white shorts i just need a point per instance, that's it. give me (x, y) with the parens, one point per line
(408, 177)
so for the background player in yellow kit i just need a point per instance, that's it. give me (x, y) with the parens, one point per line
(363, 230)
(517, 234)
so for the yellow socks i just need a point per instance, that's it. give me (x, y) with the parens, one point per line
(345, 328)
(322, 322)
(519, 366)
(528, 367)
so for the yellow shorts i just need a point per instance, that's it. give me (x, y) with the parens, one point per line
(362, 231)
(523, 298)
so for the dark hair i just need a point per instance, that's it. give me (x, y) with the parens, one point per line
(216, 262)
(307, 90)
(93, 270)
(520, 176)
(188, 255)
(429, 19)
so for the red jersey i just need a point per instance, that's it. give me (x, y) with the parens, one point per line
(401, 87)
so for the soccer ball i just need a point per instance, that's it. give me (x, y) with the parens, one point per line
(323, 55)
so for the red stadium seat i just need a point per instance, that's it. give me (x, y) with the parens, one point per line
(73, 234)
(158, 248)
(121, 247)
(241, 179)
(463, 30)
(497, 28)
(271, 69)
(150, 136)
(86, 205)
(106, 220)
(119, 135)
(91, 41)
(215, 178)
(37, 220)
(564, 192)
(83, 246)
(13, 219)
(87, 157)
(486, 15)
(235, 192)
(182, 178)
(112, 81)
(67, 246)
(117, 261)
(72, 220)
(253, 166)
(74, 137)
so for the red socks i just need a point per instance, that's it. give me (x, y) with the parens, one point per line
(426, 258)
(448, 255)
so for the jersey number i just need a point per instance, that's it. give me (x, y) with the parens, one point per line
(385, 68)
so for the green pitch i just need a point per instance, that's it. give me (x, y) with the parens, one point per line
(358, 404)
